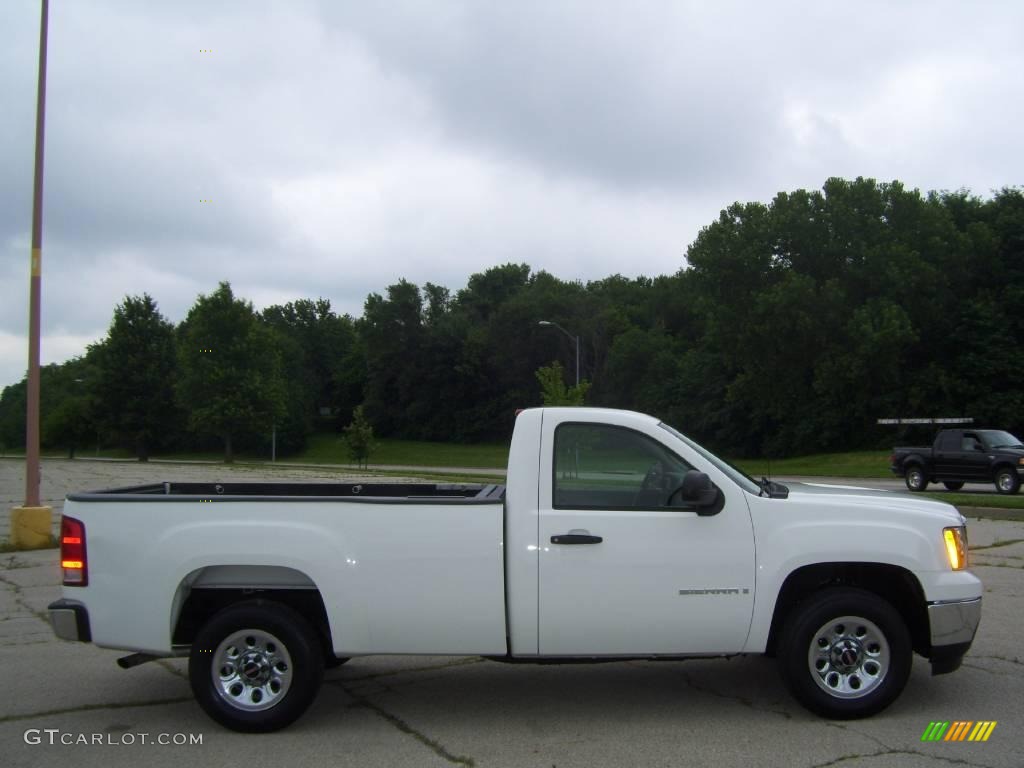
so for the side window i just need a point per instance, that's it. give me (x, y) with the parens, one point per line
(599, 466)
(970, 442)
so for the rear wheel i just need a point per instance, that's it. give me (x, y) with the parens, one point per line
(1007, 480)
(951, 486)
(915, 478)
(845, 653)
(256, 666)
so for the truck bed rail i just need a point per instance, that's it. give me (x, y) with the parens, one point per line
(381, 493)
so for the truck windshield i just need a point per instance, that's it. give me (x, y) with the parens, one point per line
(998, 439)
(741, 478)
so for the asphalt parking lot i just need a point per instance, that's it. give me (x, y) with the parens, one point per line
(442, 711)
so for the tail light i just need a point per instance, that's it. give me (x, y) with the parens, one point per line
(72, 552)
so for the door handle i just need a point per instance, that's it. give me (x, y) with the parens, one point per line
(576, 538)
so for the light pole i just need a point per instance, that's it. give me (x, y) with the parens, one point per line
(574, 339)
(30, 524)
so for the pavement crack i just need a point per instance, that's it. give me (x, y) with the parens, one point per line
(95, 707)
(16, 590)
(435, 746)
(996, 545)
(1008, 660)
(851, 729)
(171, 668)
(12, 564)
(732, 697)
(982, 669)
(1000, 565)
(893, 752)
(12, 584)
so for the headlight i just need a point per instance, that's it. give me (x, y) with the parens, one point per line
(956, 547)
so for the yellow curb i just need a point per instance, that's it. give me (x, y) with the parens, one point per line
(31, 527)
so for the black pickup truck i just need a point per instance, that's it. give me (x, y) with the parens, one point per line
(961, 456)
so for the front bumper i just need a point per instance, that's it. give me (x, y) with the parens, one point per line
(70, 620)
(953, 626)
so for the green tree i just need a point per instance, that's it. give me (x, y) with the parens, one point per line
(317, 348)
(68, 412)
(393, 337)
(12, 416)
(553, 390)
(133, 378)
(66, 407)
(230, 378)
(359, 438)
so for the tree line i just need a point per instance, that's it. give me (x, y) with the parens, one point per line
(791, 328)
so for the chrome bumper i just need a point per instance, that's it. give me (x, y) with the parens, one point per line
(954, 623)
(70, 620)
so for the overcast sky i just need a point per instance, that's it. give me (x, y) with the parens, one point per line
(345, 145)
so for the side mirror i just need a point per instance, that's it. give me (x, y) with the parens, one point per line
(698, 490)
(979, 447)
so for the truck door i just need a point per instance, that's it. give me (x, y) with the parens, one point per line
(974, 459)
(946, 453)
(621, 571)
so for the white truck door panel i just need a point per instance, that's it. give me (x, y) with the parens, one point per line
(661, 580)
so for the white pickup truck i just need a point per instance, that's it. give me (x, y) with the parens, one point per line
(616, 537)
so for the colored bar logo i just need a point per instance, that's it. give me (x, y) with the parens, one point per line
(959, 730)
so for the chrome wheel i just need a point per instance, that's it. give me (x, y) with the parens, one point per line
(1006, 481)
(251, 670)
(845, 653)
(848, 657)
(915, 479)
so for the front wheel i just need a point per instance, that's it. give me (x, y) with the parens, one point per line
(915, 479)
(845, 653)
(1007, 480)
(256, 666)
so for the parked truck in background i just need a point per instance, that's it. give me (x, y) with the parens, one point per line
(616, 537)
(961, 456)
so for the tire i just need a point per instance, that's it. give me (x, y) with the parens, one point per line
(915, 478)
(284, 665)
(1007, 481)
(845, 653)
(951, 486)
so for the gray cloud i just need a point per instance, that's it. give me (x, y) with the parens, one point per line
(347, 145)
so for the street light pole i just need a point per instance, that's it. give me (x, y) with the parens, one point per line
(30, 525)
(574, 339)
(35, 283)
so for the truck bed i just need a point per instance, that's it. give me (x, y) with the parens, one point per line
(400, 567)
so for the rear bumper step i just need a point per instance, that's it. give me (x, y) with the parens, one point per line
(70, 620)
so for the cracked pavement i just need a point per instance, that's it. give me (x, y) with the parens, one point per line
(466, 711)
